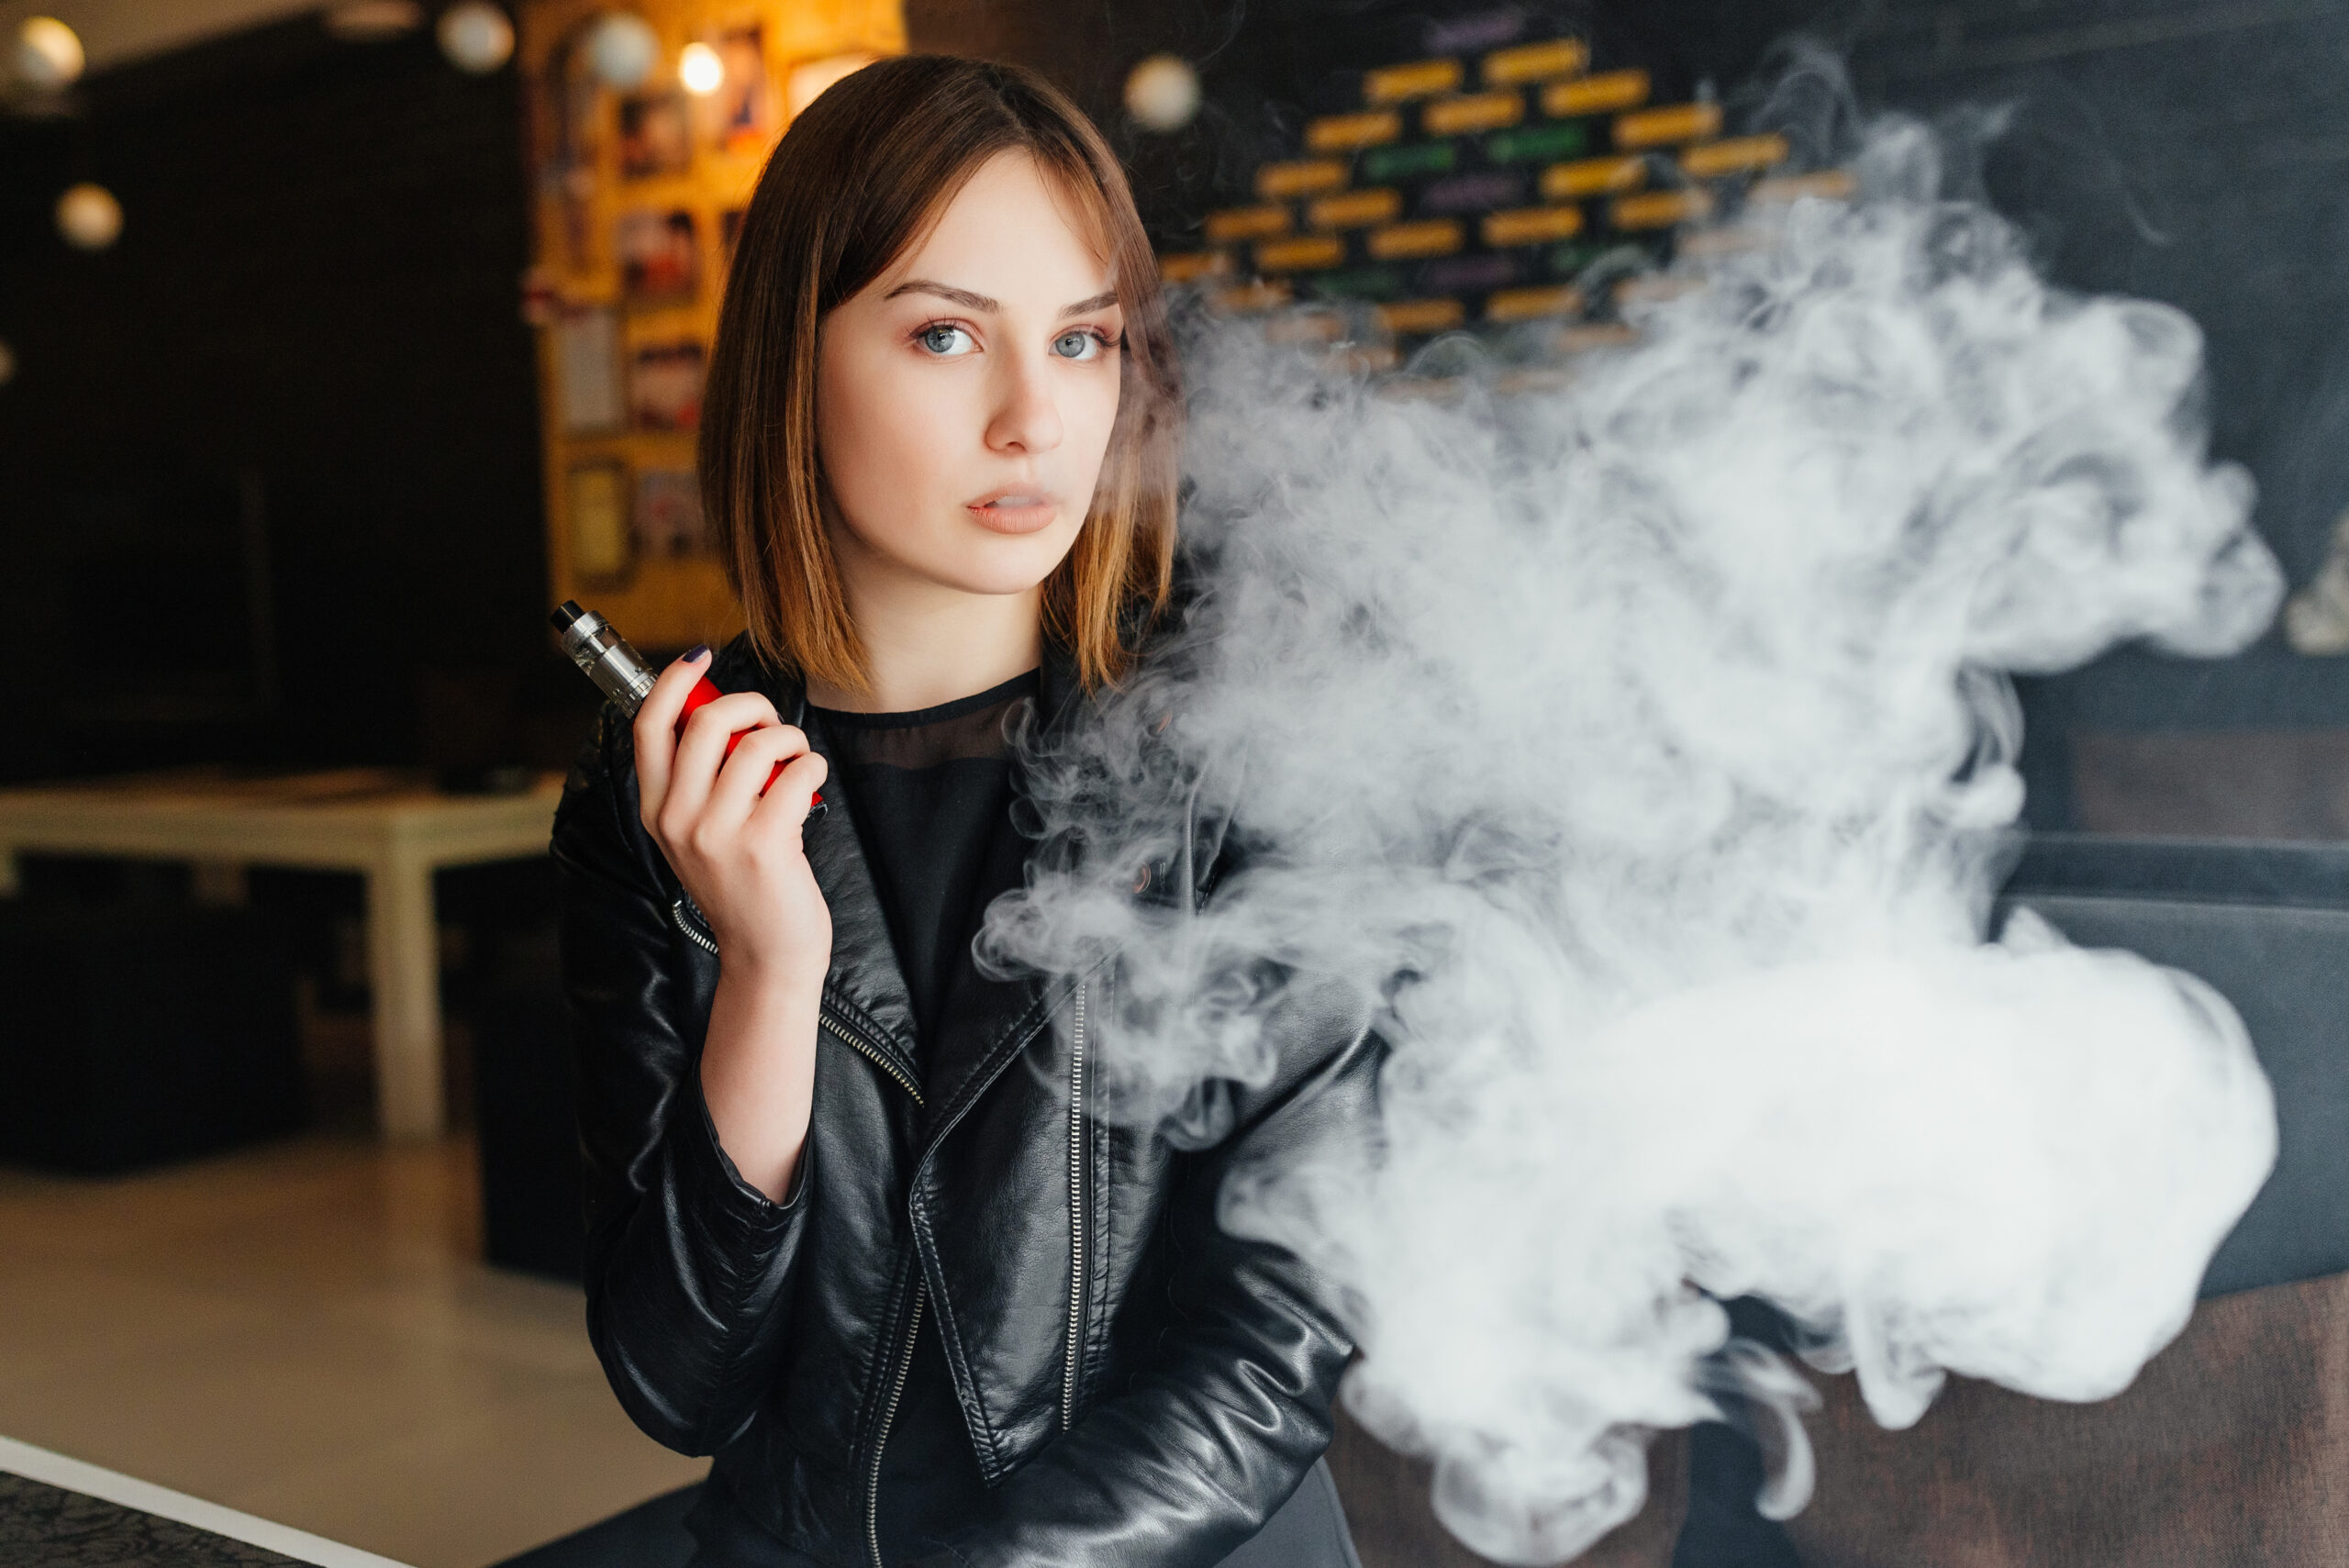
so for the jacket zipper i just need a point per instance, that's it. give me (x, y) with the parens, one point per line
(888, 1416)
(849, 1035)
(1075, 1212)
(686, 917)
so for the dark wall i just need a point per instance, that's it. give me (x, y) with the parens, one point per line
(271, 461)
(2194, 151)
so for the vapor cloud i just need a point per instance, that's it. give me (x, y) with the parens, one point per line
(1638, 752)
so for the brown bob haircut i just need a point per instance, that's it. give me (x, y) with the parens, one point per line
(856, 181)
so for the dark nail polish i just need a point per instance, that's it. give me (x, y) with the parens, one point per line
(697, 653)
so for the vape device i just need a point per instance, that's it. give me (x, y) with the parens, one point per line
(621, 674)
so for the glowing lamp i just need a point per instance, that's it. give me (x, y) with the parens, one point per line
(622, 49)
(700, 70)
(89, 217)
(475, 36)
(48, 53)
(1163, 93)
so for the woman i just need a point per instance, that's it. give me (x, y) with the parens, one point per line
(852, 1228)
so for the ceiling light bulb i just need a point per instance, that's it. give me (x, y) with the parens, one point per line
(700, 69)
(89, 217)
(48, 53)
(622, 49)
(1163, 93)
(475, 36)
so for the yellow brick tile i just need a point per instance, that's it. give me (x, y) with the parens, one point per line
(1353, 209)
(1278, 181)
(1248, 298)
(1532, 225)
(1583, 339)
(1828, 185)
(1593, 177)
(1734, 156)
(1659, 209)
(1247, 223)
(1338, 133)
(1479, 111)
(1599, 95)
(1421, 315)
(1306, 253)
(1192, 266)
(1420, 79)
(1438, 237)
(1536, 61)
(1664, 127)
(1528, 304)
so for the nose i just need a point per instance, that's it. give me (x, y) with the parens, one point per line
(1026, 418)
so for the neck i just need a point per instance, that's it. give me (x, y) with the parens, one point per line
(926, 644)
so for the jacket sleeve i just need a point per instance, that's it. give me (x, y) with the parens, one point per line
(688, 1266)
(1189, 1462)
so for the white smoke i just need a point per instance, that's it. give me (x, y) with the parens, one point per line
(1637, 755)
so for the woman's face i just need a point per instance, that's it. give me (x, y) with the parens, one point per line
(964, 398)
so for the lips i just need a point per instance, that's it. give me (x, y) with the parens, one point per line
(1011, 510)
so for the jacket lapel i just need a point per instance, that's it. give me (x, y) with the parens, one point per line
(864, 979)
(981, 1013)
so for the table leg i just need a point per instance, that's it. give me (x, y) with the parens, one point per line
(404, 968)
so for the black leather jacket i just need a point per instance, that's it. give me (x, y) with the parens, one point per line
(1141, 1388)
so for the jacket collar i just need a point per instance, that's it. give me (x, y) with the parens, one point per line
(865, 980)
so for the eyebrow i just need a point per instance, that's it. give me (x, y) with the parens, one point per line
(970, 301)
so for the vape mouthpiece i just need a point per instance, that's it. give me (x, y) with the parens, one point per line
(619, 671)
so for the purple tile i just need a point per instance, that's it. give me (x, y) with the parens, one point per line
(1474, 193)
(1453, 35)
(1467, 275)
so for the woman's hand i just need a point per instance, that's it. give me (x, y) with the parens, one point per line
(735, 851)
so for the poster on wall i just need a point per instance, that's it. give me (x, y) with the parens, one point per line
(744, 105)
(659, 262)
(664, 385)
(668, 514)
(656, 137)
(587, 368)
(596, 521)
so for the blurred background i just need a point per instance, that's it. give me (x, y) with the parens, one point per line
(338, 342)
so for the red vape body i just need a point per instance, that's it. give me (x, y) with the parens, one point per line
(622, 674)
(703, 691)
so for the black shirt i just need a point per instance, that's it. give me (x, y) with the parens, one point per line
(931, 794)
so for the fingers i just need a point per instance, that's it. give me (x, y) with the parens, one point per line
(700, 751)
(788, 799)
(655, 730)
(745, 773)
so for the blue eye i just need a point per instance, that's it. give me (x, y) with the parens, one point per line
(1089, 345)
(939, 340)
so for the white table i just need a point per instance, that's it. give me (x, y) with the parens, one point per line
(388, 827)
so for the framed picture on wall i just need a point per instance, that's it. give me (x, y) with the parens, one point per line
(659, 256)
(664, 385)
(744, 105)
(587, 368)
(668, 514)
(656, 136)
(596, 521)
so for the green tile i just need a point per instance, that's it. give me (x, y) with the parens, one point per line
(1380, 164)
(1572, 256)
(1541, 144)
(1368, 283)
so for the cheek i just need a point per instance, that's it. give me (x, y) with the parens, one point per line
(882, 434)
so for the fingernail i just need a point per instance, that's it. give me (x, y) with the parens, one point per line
(697, 653)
